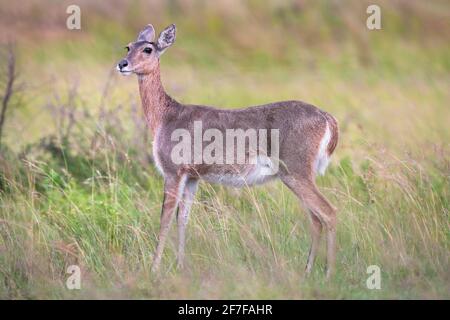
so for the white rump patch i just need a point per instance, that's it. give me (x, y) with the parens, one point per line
(322, 158)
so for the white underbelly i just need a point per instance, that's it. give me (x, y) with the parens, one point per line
(247, 175)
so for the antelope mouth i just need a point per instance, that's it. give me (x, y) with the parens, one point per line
(125, 72)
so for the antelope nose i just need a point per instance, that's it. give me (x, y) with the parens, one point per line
(123, 64)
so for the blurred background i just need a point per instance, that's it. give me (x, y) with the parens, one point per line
(235, 53)
(77, 184)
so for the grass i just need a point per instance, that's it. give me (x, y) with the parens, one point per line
(248, 243)
(92, 199)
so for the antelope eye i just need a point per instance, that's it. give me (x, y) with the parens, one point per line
(128, 48)
(148, 50)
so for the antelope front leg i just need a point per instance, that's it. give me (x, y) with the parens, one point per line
(183, 215)
(170, 202)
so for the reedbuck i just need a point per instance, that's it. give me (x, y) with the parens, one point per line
(305, 139)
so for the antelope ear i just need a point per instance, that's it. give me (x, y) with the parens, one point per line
(147, 34)
(166, 38)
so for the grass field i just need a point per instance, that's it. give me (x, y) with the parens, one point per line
(77, 185)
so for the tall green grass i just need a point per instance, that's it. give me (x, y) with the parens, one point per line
(249, 243)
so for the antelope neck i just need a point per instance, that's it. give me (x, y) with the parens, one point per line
(155, 101)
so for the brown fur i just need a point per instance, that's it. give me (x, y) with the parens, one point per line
(334, 133)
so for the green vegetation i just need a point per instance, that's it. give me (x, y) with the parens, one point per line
(77, 185)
